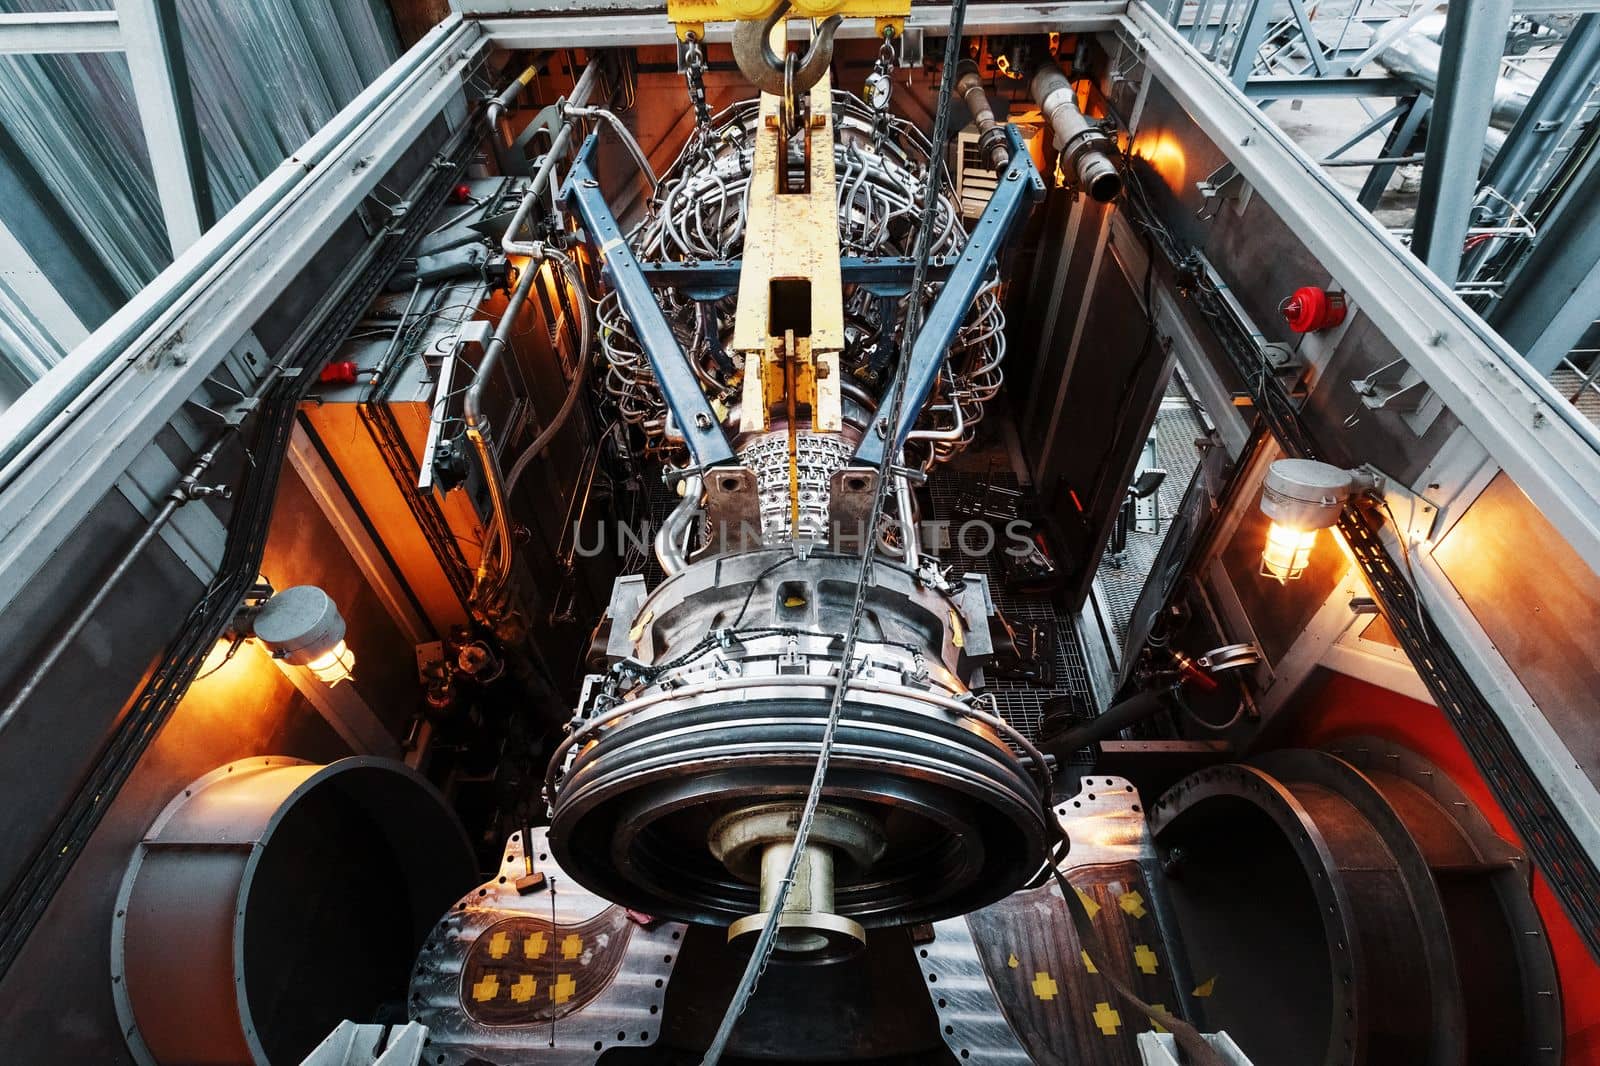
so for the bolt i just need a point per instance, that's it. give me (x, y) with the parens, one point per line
(702, 420)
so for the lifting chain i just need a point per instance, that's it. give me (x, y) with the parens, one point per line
(880, 86)
(694, 76)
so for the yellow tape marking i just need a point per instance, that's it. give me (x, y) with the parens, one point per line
(794, 601)
(1106, 1019)
(534, 946)
(957, 637)
(1206, 989)
(1044, 986)
(1133, 903)
(1144, 958)
(571, 946)
(562, 990)
(1157, 1026)
(524, 989)
(486, 989)
(1088, 963)
(499, 945)
(1090, 907)
(638, 627)
(1012, 962)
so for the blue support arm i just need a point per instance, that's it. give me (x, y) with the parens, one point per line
(690, 409)
(1020, 184)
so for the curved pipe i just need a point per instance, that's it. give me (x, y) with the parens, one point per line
(669, 538)
(508, 96)
(1085, 146)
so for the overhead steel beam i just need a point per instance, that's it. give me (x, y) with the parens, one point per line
(1474, 42)
(1247, 44)
(54, 32)
(154, 48)
(1308, 33)
(1554, 295)
(1304, 88)
(574, 24)
(1396, 146)
(1562, 93)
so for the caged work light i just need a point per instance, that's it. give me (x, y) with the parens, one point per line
(302, 626)
(1302, 496)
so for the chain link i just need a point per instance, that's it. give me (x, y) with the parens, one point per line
(694, 73)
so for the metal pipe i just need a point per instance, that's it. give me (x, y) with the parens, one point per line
(478, 431)
(508, 96)
(908, 521)
(1415, 59)
(580, 373)
(1115, 719)
(953, 433)
(991, 137)
(1084, 144)
(669, 538)
(541, 177)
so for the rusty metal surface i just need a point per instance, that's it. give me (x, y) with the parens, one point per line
(570, 975)
(227, 942)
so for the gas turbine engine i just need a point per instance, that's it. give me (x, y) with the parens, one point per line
(756, 331)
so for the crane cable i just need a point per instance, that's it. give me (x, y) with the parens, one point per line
(767, 940)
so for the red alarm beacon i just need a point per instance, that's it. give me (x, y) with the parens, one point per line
(1311, 309)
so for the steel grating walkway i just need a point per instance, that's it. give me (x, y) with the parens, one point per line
(1177, 426)
(1021, 703)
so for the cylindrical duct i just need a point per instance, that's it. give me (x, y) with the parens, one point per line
(273, 899)
(1085, 146)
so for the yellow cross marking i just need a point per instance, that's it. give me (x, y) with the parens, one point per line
(1144, 958)
(1088, 963)
(1157, 1026)
(1206, 989)
(562, 990)
(486, 989)
(1012, 962)
(499, 944)
(1090, 907)
(1133, 903)
(524, 989)
(571, 946)
(534, 946)
(1106, 1019)
(1044, 986)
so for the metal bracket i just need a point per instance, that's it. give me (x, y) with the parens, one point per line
(1211, 191)
(1396, 387)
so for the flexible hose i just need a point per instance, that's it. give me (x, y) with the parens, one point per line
(579, 376)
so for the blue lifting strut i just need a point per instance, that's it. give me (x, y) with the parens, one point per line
(1020, 184)
(691, 411)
